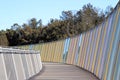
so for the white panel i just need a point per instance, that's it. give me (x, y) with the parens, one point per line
(18, 66)
(39, 61)
(10, 69)
(29, 64)
(23, 57)
(36, 64)
(33, 63)
(3, 74)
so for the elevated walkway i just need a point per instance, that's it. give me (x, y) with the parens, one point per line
(60, 71)
(96, 51)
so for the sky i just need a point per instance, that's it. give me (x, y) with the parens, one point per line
(21, 11)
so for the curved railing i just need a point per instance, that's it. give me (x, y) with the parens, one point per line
(97, 50)
(16, 64)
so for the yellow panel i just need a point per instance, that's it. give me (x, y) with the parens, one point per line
(62, 48)
(74, 48)
(110, 49)
(97, 42)
(102, 45)
(85, 49)
(89, 56)
(81, 51)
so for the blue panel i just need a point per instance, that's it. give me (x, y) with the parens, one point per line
(117, 67)
(106, 40)
(31, 47)
(112, 19)
(93, 49)
(65, 44)
(99, 48)
(88, 50)
(68, 43)
(66, 47)
(78, 48)
(114, 49)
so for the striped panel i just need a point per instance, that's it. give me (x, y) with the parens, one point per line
(81, 49)
(111, 43)
(49, 51)
(61, 50)
(91, 51)
(26, 69)
(108, 43)
(70, 51)
(88, 50)
(95, 47)
(104, 48)
(76, 50)
(11, 73)
(53, 51)
(79, 58)
(56, 52)
(39, 62)
(75, 40)
(65, 50)
(93, 54)
(99, 49)
(18, 66)
(101, 56)
(3, 74)
(66, 47)
(51, 56)
(116, 75)
(42, 52)
(96, 50)
(30, 65)
(35, 63)
(84, 49)
(114, 46)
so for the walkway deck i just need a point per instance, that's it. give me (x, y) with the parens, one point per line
(57, 71)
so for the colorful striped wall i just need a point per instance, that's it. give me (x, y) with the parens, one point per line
(97, 50)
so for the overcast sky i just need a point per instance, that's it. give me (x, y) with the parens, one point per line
(20, 11)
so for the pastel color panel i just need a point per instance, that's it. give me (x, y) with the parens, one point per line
(97, 50)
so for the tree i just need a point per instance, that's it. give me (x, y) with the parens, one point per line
(71, 23)
(108, 10)
(3, 39)
(68, 18)
(33, 23)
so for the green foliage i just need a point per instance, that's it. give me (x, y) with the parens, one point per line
(3, 39)
(70, 24)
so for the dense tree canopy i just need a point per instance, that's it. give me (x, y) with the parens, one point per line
(3, 39)
(70, 24)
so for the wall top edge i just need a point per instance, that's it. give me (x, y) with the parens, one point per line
(17, 51)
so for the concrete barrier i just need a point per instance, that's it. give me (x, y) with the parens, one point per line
(16, 64)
